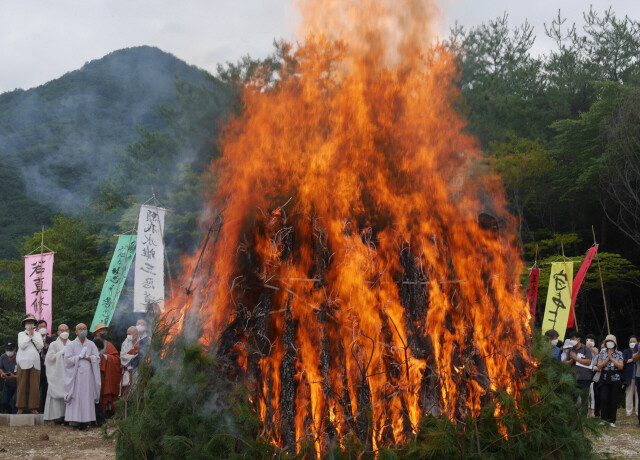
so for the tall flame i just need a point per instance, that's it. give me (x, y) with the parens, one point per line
(352, 284)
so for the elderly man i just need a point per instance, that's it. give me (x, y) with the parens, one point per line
(143, 344)
(55, 407)
(8, 369)
(81, 379)
(110, 370)
(28, 358)
(128, 351)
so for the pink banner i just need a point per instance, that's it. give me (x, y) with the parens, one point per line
(577, 282)
(38, 276)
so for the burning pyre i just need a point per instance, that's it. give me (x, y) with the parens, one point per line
(351, 284)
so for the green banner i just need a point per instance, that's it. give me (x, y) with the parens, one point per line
(116, 276)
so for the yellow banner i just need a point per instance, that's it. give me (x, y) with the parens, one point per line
(556, 312)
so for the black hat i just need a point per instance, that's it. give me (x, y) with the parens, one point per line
(10, 346)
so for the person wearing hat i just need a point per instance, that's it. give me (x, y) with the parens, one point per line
(610, 364)
(28, 358)
(8, 370)
(110, 371)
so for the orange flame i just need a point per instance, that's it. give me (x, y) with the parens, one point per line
(351, 285)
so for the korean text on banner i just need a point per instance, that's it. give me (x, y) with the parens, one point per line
(556, 312)
(532, 293)
(114, 282)
(148, 289)
(38, 279)
(577, 282)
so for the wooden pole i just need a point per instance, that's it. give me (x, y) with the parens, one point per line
(604, 298)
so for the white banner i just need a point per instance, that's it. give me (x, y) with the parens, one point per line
(148, 289)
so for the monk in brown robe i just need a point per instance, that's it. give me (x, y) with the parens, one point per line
(110, 370)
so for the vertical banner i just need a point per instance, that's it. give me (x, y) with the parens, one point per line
(114, 282)
(556, 312)
(577, 282)
(532, 293)
(38, 277)
(148, 289)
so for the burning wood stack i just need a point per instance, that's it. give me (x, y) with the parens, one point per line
(352, 286)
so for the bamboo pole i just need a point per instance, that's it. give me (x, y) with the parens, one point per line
(604, 298)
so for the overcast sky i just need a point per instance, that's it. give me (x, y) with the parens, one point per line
(42, 39)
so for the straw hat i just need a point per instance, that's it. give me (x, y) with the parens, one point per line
(29, 317)
(100, 326)
(612, 338)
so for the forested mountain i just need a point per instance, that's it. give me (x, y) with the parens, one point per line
(62, 138)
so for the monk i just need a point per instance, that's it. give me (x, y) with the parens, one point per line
(110, 370)
(81, 379)
(128, 351)
(55, 407)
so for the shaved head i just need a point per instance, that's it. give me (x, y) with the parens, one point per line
(63, 328)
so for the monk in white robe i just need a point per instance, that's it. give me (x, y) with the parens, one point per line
(81, 379)
(55, 407)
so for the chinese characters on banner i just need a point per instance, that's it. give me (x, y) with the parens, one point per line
(556, 312)
(532, 293)
(114, 282)
(38, 276)
(148, 290)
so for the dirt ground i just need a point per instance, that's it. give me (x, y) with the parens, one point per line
(63, 443)
(621, 442)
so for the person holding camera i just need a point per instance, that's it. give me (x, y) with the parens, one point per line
(610, 364)
(8, 369)
(29, 346)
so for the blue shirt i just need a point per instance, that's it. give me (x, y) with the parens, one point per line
(9, 366)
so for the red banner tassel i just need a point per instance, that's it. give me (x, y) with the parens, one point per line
(532, 294)
(577, 282)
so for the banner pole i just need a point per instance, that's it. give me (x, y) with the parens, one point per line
(604, 298)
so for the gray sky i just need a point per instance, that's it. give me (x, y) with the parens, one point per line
(42, 39)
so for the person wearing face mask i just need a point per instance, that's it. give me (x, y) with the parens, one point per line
(143, 343)
(552, 337)
(81, 379)
(610, 363)
(43, 330)
(29, 345)
(8, 369)
(54, 407)
(110, 371)
(629, 378)
(579, 357)
(590, 343)
(128, 351)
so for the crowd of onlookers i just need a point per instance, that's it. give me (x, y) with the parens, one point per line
(73, 382)
(603, 370)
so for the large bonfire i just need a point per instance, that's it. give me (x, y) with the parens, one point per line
(364, 273)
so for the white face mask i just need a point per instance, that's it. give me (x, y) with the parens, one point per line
(64, 335)
(141, 328)
(610, 345)
(28, 327)
(42, 331)
(554, 342)
(590, 343)
(129, 337)
(632, 345)
(10, 353)
(573, 342)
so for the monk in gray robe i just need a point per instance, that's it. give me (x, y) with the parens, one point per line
(81, 379)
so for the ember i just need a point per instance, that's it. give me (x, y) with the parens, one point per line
(351, 285)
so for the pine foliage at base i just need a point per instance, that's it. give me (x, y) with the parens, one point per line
(183, 408)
